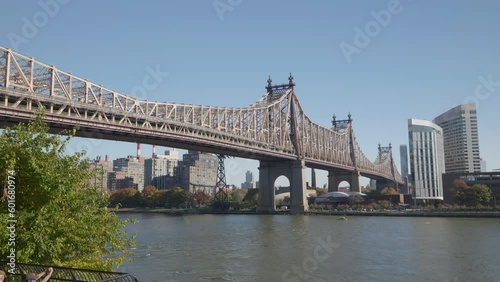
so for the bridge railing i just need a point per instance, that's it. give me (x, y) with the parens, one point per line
(65, 273)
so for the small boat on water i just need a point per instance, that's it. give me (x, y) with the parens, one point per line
(342, 218)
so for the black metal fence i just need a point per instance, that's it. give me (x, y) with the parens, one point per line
(64, 273)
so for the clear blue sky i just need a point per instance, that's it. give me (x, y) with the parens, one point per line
(423, 61)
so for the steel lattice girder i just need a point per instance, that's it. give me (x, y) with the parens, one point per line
(274, 127)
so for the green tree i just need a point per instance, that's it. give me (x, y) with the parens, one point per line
(355, 199)
(250, 200)
(466, 196)
(176, 197)
(125, 197)
(149, 196)
(237, 196)
(478, 194)
(61, 219)
(483, 194)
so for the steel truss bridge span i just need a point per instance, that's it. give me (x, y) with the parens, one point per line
(273, 128)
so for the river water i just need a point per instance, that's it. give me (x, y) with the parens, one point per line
(313, 248)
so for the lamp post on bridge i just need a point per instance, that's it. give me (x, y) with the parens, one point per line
(271, 88)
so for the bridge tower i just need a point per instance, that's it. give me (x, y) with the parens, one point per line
(335, 177)
(386, 153)
(294, 170)
(220, 195)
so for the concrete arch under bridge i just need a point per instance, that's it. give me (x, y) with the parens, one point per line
(295, 171)
(337, 177)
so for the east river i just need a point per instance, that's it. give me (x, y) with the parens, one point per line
(313, 248)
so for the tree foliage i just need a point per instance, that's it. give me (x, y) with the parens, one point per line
(483, 195)
(460, 184)
(235, 198)
(389, 191)
(150, 196)
(250, 200)
(176, 197)
(61, 219)
(355, 199)
(125, 197)
(200, 197)
(478, 194)
(237, 195)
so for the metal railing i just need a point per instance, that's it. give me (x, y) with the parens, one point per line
(64, 273)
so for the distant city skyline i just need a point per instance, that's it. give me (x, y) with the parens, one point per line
(411, 66)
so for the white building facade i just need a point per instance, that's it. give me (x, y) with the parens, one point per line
(426, 159)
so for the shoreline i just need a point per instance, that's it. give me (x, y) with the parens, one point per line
(181, 212)
(413, 214)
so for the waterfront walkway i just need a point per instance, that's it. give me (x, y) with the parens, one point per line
(65, 273)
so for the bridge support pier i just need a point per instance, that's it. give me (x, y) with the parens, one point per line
(265, 201)
(335, 177)
(355, 187)
(298, 189)
(295, 171)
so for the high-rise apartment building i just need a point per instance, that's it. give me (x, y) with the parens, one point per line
(161, 168)
(403, 156)
(101, 167)
(426, 159)
(119, 179)
(461, 141)
(132, 167)
(249, 182)
(198, 171)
